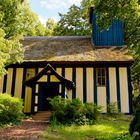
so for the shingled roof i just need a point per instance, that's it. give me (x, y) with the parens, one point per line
(70, 49)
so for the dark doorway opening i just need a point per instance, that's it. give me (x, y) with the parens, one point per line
(47, 90)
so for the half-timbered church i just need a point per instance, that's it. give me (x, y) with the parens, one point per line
(94, 69)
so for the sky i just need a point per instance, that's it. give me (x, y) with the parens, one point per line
(50, 8)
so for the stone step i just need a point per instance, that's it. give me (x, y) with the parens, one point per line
(43, 115)
(43, 112)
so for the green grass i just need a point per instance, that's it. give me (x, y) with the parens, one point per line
(107, 128)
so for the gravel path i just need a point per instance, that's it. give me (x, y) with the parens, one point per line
(28, 130)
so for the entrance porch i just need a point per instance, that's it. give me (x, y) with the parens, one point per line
(47, 84)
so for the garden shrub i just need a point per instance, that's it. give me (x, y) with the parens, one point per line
(73, 112)
(57, 103)
(10, 109)
(57, 106)
(136, 101)
(92, 111)
(112, 108)
(135, 123)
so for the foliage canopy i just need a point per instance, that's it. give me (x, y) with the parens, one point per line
(129, 12)
(16, 20)
(76, 22)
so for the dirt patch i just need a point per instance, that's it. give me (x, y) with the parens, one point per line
(28, 130)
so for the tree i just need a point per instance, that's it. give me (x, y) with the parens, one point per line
(16, 20)
(50, 26)
(10, 48)
(10, 51)
(17, 17)
(128, 11)
(38, 30)
(76, 21)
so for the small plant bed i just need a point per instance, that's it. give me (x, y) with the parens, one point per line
(106, 128)
(68, 112)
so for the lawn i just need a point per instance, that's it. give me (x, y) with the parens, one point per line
(106, 128)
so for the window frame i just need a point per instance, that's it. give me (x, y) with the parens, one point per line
(101, 83)
(28, 73)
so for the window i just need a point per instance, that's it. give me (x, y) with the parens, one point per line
(101, 76)
(30, 73)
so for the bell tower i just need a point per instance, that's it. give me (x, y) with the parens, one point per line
(113, 36)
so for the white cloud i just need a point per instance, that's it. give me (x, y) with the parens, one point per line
(43, 19)
(53, 7)
(52, 4)
(76, 2)
(56, 4)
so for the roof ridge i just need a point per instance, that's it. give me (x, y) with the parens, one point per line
(55, 37)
